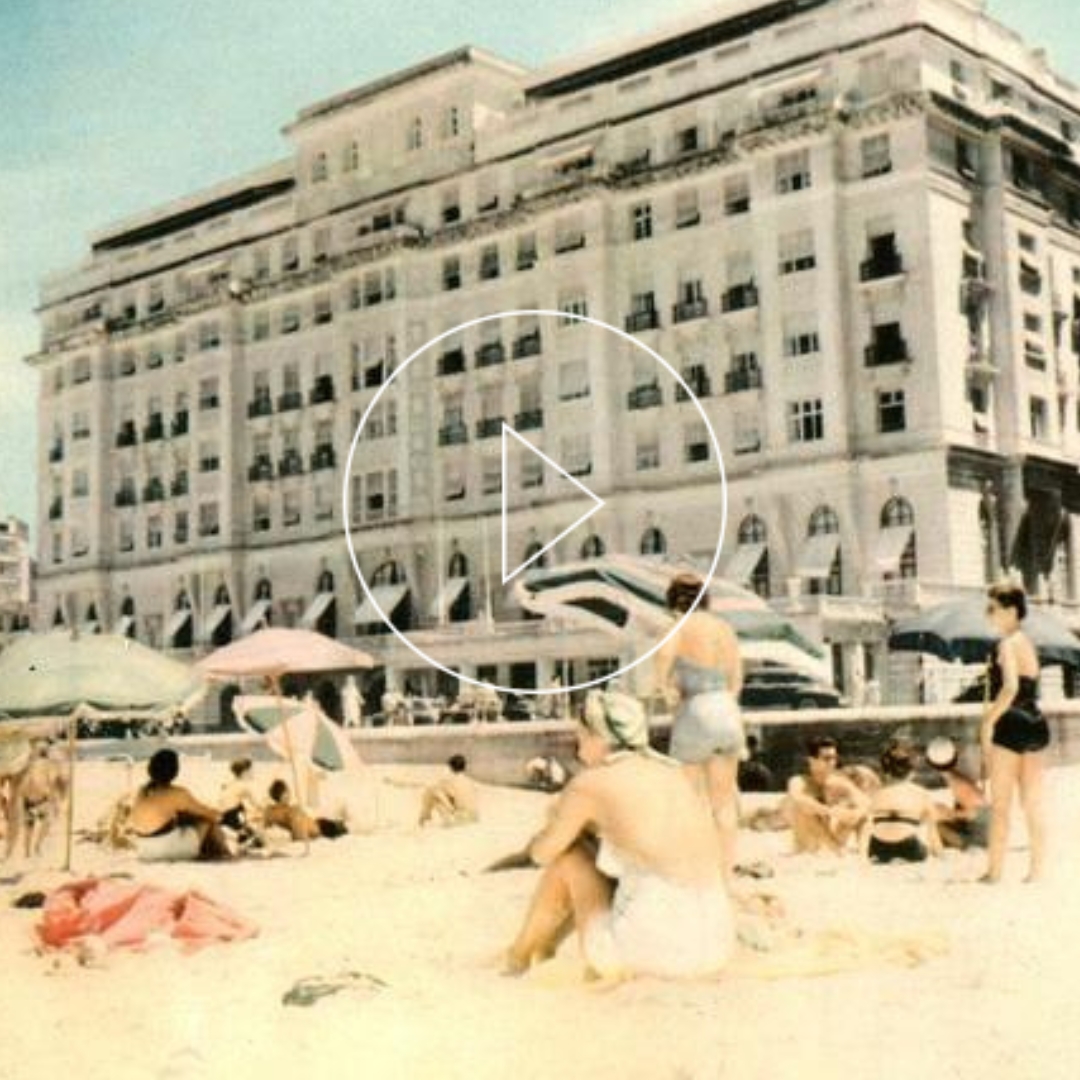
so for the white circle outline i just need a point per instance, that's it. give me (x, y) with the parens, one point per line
(347, 519)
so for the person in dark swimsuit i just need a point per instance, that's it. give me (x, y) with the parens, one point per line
(1014, 733)
(901, 813)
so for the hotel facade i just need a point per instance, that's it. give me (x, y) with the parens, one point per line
(852, 225)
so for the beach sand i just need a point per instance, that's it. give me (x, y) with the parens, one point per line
(411, 909)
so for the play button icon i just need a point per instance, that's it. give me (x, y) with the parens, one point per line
(597, 503)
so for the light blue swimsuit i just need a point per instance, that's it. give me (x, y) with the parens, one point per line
(707, 721)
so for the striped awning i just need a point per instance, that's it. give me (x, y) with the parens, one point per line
(743, 562)
(316, 609)
(448, 594)
(817, 555)
(891, 544)
(388, 598)
(177, 623)
(256, 614)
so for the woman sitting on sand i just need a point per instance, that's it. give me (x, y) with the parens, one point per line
(631, 860)
(965, 824)
(168, 823)
(300, 825)
(901, 813)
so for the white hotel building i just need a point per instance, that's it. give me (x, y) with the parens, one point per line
(854, 225)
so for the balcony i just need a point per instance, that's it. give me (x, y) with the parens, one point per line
(737, 381)
(885, 264)
(127, 435)
(739, 297)
(154, 491)
(690, 309)
(56, 452)
(291, 464)
(888, 348)
(527, 345)
(290, 400)
(179, 486)
(323, 458)
(489, 269)
(488, 426)
(639, 321)
(125, 496)
(699, 384)
(261, 405)
(529, 419)
(452, 362)
(155, 428)
(636, 164)
(490, 354)
(453, 434)
(56, 509)
(644, 397)
(262, 468)
(980, 367)
(322, 391)
(180, 424)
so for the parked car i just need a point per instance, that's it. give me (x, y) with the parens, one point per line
(785, 688)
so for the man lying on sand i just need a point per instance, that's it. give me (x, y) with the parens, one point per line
(825, 808)
(631, 861)
(283, 813)
(453, 800)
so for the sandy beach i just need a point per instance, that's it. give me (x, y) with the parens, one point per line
(411, 913)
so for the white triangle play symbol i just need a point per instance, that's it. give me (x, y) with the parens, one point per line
(507, 575)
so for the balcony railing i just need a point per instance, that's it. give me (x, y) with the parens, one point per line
(488, 426)
(491, 353)
(323, 458)
(452, 362)
(699, 383)
(737, 381)
(527, 345)
(639, 321)
(690, 309)
(644, 397)
(291, 464)
(886, 265)
(127, 436)
(529, 419)
(262, 468)
(739, 297)
(290, 400)
(453, 434)
(322, 391)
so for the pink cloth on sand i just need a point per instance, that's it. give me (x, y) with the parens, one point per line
(124, 914)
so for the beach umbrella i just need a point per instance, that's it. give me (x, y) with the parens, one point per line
(960, 630)
(301, 725)
(60, 678)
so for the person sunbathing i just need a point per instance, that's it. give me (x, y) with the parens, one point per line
(168, 824)
(283, 813)
(631, 859)
(903, 819)
(824, 807)
(453, 800)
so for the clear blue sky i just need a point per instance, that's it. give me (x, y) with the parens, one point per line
(112, 106)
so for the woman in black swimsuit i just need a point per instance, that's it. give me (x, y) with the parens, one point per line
(903, 822)
(1014, 732)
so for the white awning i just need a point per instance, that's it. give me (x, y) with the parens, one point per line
(177, 623)
(891, 543)
(388, 598)
(817, 555)
(123, 627)
(256, 614)
(448, 594)
(742, 564)
(316, 609)
(215, 619)
(90, 626)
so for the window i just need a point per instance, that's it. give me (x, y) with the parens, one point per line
(80, 425)
(957, 72)
(876, 156)
(696, 443)
(532, 472)
(793, 172)
(451, 273)
(573, 380)
(526, 251)
(260, 326)
(577, 306)
(489, 262)
(260, 514)
(806, 421)
(453, 481)
(290, 509)
(891, 414)
(641, 221)
(350, 158)
(154, 532)
(323, 311)
(1027, 242)
(593, 547)
(208, 394)
(209, 524)
(80, 483)
(687, 209)
(452, 122)
(686, 140)
(491, 476)
(1039, 417)
(80, 370)
(575, 454)
(797, 252)
(653, 542)
(451, 207)
(290, 321)
(414, 134)
(209, 336)
(800, 339)
(737, 195)
(320, 170)
(647, 454)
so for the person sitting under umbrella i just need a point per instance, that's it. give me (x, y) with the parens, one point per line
(300, 825)
(168, 823)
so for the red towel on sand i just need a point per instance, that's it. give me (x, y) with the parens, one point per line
(124, 914)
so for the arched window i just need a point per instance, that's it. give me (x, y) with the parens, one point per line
(127, 607)
(897, 513)
(221, 595)
(325, 584)
(264, 590)
(824, 522)
(530, 551)
(58, 616)
(458, 566)
(183, 601)
(653, 542)
(92, 618)
(390, 572)
(593, 547)
(753, 531)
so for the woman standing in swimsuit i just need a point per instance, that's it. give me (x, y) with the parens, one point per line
(1014, 732)
(700, 666)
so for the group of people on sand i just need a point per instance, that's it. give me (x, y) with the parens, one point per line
(638, 852)
(167, 823)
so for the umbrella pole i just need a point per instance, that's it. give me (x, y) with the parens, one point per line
(290, 752)
(70, 829)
